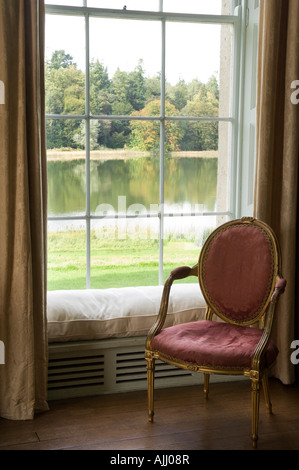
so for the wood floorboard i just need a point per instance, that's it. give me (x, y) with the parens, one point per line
(183, 421)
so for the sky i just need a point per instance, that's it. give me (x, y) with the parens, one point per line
(192, 51)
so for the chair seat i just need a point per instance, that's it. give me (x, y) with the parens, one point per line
(212, 344)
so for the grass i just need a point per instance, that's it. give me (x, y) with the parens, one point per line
(114, 263)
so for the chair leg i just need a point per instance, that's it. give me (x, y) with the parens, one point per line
(150, 387)
(206, 385)
(255, 393)
(266, 392)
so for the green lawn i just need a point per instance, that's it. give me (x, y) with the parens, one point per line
(114, 263)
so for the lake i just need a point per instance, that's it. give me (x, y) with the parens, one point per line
(190, 183)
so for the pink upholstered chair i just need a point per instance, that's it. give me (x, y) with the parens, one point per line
(239, 272)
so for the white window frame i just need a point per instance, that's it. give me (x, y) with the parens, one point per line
(238, 21)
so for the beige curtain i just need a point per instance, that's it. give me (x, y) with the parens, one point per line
(23, 376)
(276, 191)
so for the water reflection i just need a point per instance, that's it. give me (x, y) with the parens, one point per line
(188, 181)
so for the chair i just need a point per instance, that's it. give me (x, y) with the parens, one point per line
(239, 272)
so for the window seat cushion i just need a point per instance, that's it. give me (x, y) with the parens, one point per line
(75, 315)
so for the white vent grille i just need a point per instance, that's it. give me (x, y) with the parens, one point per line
(107, 366)
(131, 367)
(75, 372)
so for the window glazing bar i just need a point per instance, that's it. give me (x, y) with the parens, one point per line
(137, 118)
(165, 214)
(241, 32)
(106, 117)
(199, 118)
(87, 150)
(111, 117)
(138, 14)
(234, 192)
(114, 117)
(66, 116)
(162, 137)
(140, 216)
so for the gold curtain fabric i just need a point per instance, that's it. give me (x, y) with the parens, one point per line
(23, 209)
(276, 189)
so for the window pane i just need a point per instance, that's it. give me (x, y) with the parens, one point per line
(142, 5)
(72, 3)
(223, 200)
(183, 239)
(124, 252)
(211, 7)
(124, 172)
(200, 86)
(124, 71)
(66, 167)
(64, 70)
(66, 255)
(191, 182)
(196, 176)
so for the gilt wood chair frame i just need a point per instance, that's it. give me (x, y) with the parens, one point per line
(257, 373)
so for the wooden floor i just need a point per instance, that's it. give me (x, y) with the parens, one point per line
(183, 421)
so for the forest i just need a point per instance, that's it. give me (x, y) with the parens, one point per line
(127, 94)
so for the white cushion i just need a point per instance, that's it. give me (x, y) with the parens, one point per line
(75, 315)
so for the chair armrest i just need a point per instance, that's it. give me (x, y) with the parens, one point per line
(279, 289)
(265, 338)
(181, 273)
(178, 273)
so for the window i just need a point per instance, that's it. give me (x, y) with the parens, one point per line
(143, 135)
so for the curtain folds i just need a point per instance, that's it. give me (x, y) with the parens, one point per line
(276, 185)
(23, 208)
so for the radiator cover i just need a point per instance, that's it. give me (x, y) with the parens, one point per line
(107, 366)
(85, 368)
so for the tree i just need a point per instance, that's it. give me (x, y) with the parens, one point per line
(125, 94)
(213, 88)
(200, 135)
(152, 88)
(128, 90)
(100, 96)
(79, 137)
(145, 134)
(65, 91)
(65, 94)
(119, 89)
(60, 60)
(193, 88)
(121, 106)
(136, 90)
(178, 94)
